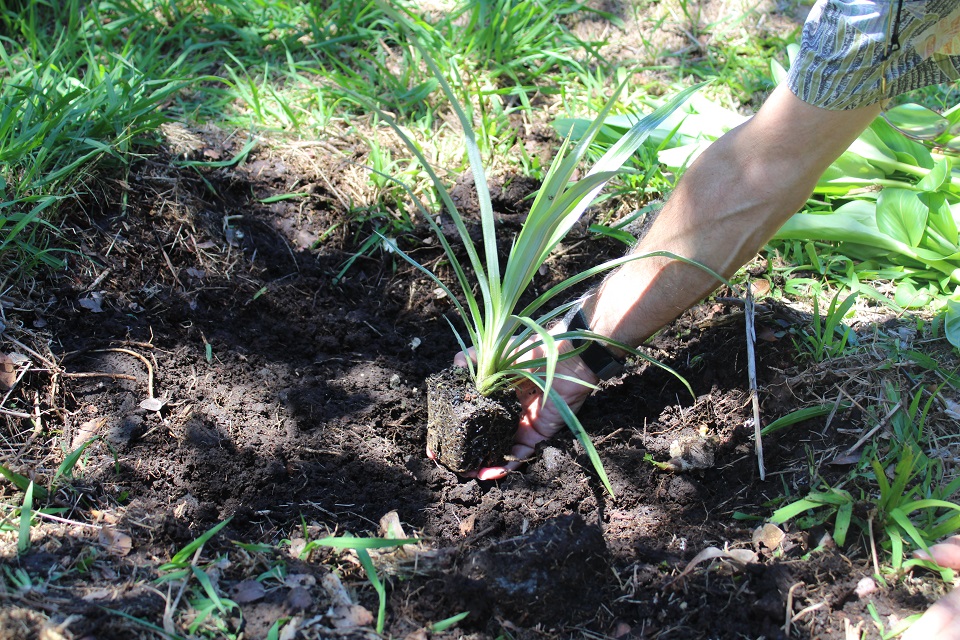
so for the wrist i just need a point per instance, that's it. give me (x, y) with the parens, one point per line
(597, 357)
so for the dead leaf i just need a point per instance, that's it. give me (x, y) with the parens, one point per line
(93, 302)
(766, 334)
(737, 556)
(951, 408)
(299, 599)
(115, 542)
(8, 372)
(335, 590)
(105, 516)
(769, 535)
(299, 580)
(390, 526)
(467, 524)
(346, 617)
(247, 591)
(87, 430)
(760, 287)
(153, 404)
(290, 629)
(846, 459)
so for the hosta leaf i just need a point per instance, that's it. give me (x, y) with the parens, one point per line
(951, 323)
(941, 217)
(906, 150)
(902, 215)
(909, 296)
(937, 176)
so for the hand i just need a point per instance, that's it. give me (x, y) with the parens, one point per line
(942, 620)
(539, 419)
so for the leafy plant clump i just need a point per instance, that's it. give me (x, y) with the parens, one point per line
(500, 334)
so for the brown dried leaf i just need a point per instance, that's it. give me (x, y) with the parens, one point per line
(737, 556)
(769, 535)
(247, 591)
(115, 542)
(353, 615)
(87, 430)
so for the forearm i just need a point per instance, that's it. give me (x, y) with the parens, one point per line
(726, 206)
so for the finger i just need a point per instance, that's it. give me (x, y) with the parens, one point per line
(941, 621)
(460, 359)
(945, 554)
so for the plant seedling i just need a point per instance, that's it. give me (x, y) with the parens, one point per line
(502, 334)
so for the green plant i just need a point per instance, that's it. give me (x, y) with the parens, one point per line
(828, 336)
(361, 546)
(500, 331)
(897, 495)
(205, 600)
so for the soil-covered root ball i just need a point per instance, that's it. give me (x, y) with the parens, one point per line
(466, 430)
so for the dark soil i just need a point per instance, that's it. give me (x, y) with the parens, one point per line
(294, 404)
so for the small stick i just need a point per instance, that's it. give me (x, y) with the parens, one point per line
(100, 374)
(65, 521)
(166, 258)
(869, 434)
(93, 285)
(33, 353)
(752, 375)
(873, 546)
(15, 414)
(789, 617)
(140, 357)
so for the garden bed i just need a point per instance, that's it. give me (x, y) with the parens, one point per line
(294, 404)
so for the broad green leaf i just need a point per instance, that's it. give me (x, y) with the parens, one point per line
(905, 150)
(935, 179)
(941, 219)
(909, 296)
(951, 323)
(901, 215)
(844, 514)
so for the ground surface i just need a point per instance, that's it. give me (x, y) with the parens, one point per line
(294, 404)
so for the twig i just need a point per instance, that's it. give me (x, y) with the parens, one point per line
(65, 521)
(173, 271)
(873, 546)
(120, 376)
(36, 355)
(99, 374)
(807, 610)
(789, 616)
(15, 414)
(99, 279)
(752, 375)
(869, 434)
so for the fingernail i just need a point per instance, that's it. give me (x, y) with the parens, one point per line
(920, 554)
(490, 474)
